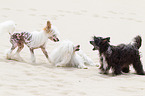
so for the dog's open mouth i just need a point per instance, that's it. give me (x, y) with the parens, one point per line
(56, 40)
(77, 48)
(92, 43)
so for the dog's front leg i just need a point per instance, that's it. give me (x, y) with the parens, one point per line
(32, 55)
(45, 52)
(82, 66)
(103, 71)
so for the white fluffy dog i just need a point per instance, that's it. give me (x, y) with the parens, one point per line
(7, 26)
(66, 54)
(33, 40)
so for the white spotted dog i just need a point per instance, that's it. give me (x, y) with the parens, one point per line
(66, 54)
(33, 40)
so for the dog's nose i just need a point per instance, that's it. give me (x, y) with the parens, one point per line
(57, 39)
(54, 40)
(78, 46)
(91, 42)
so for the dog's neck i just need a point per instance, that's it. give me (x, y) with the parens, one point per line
(105, 49)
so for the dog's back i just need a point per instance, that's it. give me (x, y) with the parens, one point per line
(128, 49)
(124, 53)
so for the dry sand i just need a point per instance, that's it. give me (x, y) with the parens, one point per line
(77, 20)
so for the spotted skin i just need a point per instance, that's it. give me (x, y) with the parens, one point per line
(21, 38)
(18, 40)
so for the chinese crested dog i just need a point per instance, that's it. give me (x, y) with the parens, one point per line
(33, 40)
(66, 54)
(118, 58)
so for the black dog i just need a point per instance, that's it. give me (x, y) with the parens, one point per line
(118, 57)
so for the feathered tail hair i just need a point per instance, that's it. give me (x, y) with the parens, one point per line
(8, 26)
(137, 41)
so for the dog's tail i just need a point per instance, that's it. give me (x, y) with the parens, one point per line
(137, 41)
(8, 26)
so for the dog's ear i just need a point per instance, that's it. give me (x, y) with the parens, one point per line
(48, 24)
(94, 37)
(107, 39)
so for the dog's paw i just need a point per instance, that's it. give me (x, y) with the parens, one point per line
(8, 57)
(104, 72)
(142, 73)
(82, 67)
(49, 61)
(17, 58)
(97, 65)
(85, 68)
(59, 65)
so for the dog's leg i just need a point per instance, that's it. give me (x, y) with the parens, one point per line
(10, 52)
(45, 52)
(104, 66)
(117, 69)
(32, 55)
(82, 66)
(138, 67)
(18, 52)
(125, 69)
(101, 67)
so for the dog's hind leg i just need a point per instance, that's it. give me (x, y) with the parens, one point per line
(117, 69)
(45, 52)
(11, 50)
(32, 55)
(18, 52)
(138, 67)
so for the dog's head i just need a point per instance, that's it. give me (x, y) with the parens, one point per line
(52, 32)
(97, 42)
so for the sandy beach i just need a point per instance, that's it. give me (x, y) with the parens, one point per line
(78, 21)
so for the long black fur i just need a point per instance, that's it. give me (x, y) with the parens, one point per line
(118, 57)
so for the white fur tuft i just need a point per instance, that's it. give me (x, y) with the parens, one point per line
(7, 26)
